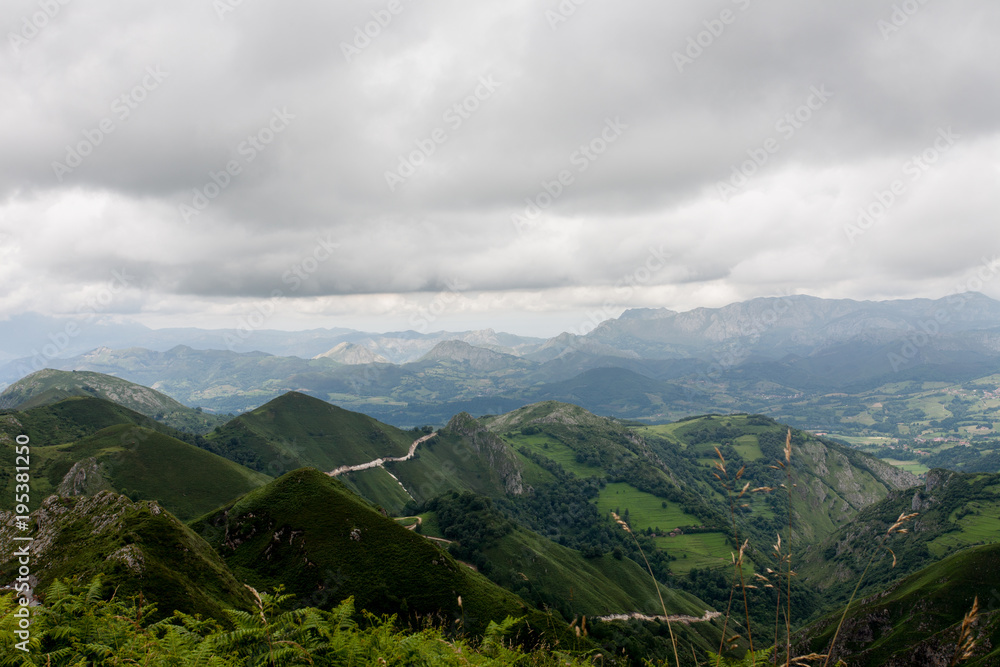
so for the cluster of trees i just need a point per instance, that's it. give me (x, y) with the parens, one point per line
(473, 523)
(566, 513)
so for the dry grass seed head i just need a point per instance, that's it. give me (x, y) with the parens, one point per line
(966, 643)
(903, 518)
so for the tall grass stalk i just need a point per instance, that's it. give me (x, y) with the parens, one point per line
(897, 527)
(787, 466)
(656, 585)
(725, 480)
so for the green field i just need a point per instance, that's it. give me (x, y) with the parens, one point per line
(908, 466)
(664, 431)
(981, 527)
(430, 526)
(704, 550)
(645, 509)
(551, 448)
(748, 447)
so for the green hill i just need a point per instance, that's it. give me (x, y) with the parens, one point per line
(141, 463)
(463, 456)
(955, 510)
(833, 482)
(661, 480)
(309, 532)
(295, 430)
(73, 418)
(917, 620)
(50, 386)
(135, 547)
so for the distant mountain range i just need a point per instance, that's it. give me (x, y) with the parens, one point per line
(769, 326)
(779, 356)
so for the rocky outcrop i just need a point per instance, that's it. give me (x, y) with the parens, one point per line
(85, 478)
(895, 477)
(497, 454)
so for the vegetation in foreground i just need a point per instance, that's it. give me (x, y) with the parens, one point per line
(77, 627)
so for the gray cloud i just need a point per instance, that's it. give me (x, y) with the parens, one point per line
(191, 101)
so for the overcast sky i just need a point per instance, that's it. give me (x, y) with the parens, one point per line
(523, 165)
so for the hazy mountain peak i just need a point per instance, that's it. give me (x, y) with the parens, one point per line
(646, 313)
(477, 357)
(352, 354)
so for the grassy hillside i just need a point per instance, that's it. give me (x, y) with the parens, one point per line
(544, 571)
(141, 463)
(73, 418)
(309, 532)
(833, 482)
(50, 386)
(955, 511)
(295, 430)
(135, 547)
(917, 620)
(463, 456)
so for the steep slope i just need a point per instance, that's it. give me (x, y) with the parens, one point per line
(141, 463)
(324, 543)
(463, 456)
(776, 326)
(296, 430)
(544, 572)
(73, 418)
(954, 511)
(135, 547)
(917, 620)
(49, 386)
(661, 478)
(350, 353)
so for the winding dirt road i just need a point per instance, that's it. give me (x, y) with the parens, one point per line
(679, 618)
(378, 463)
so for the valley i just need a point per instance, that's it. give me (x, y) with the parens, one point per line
(599, 498)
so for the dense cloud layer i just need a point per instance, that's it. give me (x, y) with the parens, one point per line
(526, 162)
